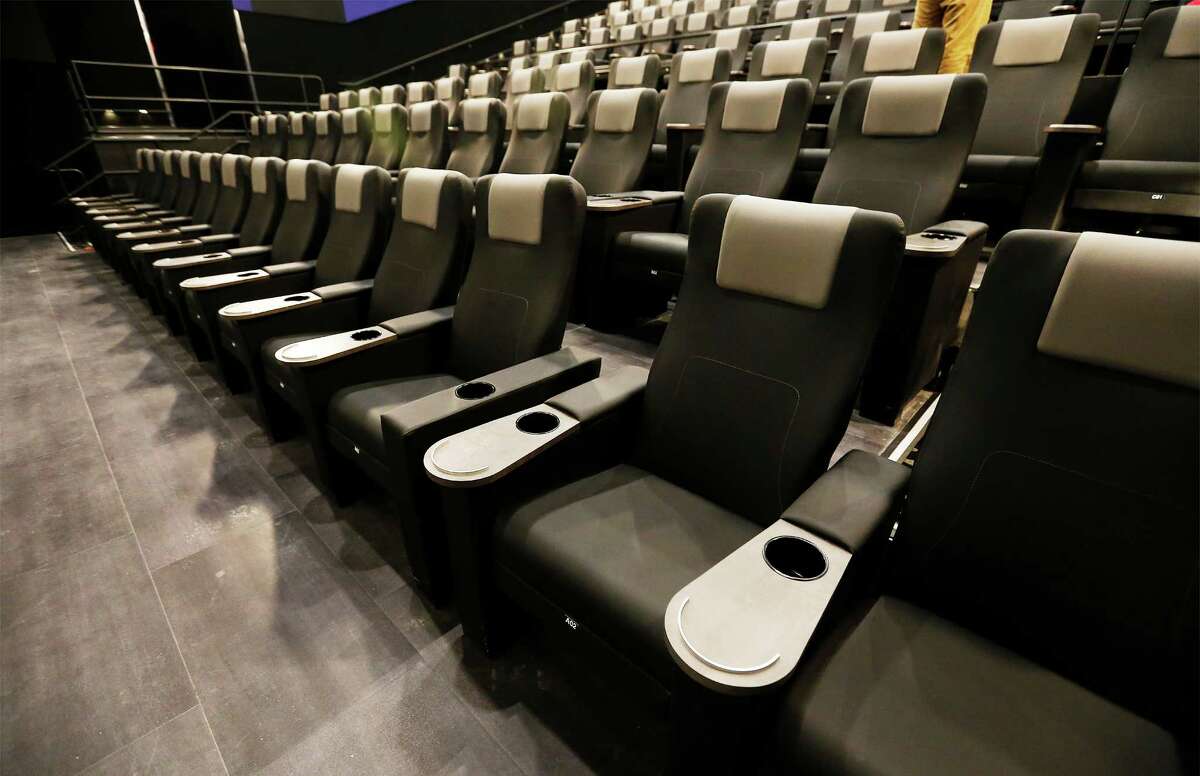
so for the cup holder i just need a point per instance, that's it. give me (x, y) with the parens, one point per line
(537, 422)
(365, 334)
(246, 274)
(475, 390)
(795, 558)
(296, 298)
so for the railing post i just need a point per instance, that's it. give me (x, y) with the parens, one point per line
(207, 101)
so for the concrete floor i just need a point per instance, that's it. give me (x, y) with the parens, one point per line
(176, 596)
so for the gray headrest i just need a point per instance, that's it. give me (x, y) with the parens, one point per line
(322, 120)
(710, 6)
(727, 39)
(366, 96)
(597, 36)
(752, 262)
(697, 65)
(785, 57)
(544, 43)
(391, 93)
(272, 124)
(621, 19)
(422, 193)
(660, 27)
(479, 85)
(1130, 304)
(344, 99)
(350, 121)
(323, 101)
(870, 23)
(616, 110)
(753, 106)
(1032, 41)
(443, 88)
(297, 122)
(185, 163)
(628, 32)
(518, 63)
(533, 112)
(169, 162)
(258, 174)
(629, 71)
(906, 105)
(515, 204)
(420, 117)
(568, 76)
(229, 165)
(1185, 34)
(520, 46)
(296, 179)
(648, 14)
(547, 60)
(696, 22)
(139, 158)
(804, 28)
(739, 16)
(383, 117)
(785, 9)
(255, 127)
(348, 186)
(206, 167)
(520, 81)
(837, 6)
(681, 7)
(419, 91)
(570, 25)
(152, 160)
(475, 113)
(890, 52)
(579, 55)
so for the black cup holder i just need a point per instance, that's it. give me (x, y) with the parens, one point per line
(296, 298)
(246, 274)
(795, 558)
(537, 422)
(475, 390)
(365, 334)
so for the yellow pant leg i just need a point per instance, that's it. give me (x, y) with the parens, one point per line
(962, 20)
(928, 14)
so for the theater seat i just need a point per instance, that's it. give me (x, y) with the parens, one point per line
(740, 16)
(347, 99)
(857, 26)
(620, 129)
(527, 80)
(1001, 641)
(417, 92)
(792, 58)
(328, 128)
(693, 75)
(537, 135)
(302, 133)
(629, 40)
(576, 80)
(393, 94)
(1150, 164)
(479, 137)
(327, 101)
(485, 85)
(356, 136)
(736, 40)
(783, 13)
(598, 36)
(699, 23)
(369, 97)
(659, 28)
(389, 136)
(449, 92)
(426, 136)
(634, 73)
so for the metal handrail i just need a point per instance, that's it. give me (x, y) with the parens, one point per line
(467, 42)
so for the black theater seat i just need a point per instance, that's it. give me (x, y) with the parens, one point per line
(389, 136)
(302, 133)
(357, 127)
(538, 131)
(328, 128)
(616, 143)
(479, 137)
(426, 147)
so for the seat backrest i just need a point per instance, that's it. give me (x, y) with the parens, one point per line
(679, 9)
(620, 130)
(188, 163)
(808, 28)
(547, 61)
(520, 48)
(735, 410)
(347, 99)
(327, 101)
(234, 179)
(660, 28)
(1033, 67)
(485, 85)
(544, 43)
(369, 97)
(208, 187)
(693, 74)
(275, 134)
(1026, 9)
(449, 92)
(479, 138)
(582, 55)
(459, 70)
(538, 131)
(257, 142)
(1110, 12)
(1038, 516)
(302, 133)
(393, 93)
(634, 73)
(152, 158)
(902, 143)
(899, 52)
(305, 216)
(266, 201)
(576, 80)
(514, 300)
(740, 16)
(751, 140)
(327, 124)
(798, 58)
(426, 253)
(358, 223)
(426, 136)
(529, 80)
(170, 171)
(356, 136)
(714, 7)
(736, 39)
(1154, 116)
(629, 37)
(699, 23)
(418, 92)
(858, 26)
(787, 10)
(571, 40)
(390, 136)
(598, 36)
(834, 8)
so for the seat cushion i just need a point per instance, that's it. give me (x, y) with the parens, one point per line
(355, 412)
(612, 548)
(1000, 168)
(906, 692)
(662, 251)
(812, 159)
(1119, 174)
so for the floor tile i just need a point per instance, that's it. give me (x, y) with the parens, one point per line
(181, 747)
(278, 636)
(88, 661)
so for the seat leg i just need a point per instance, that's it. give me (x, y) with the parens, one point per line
(713, 733)
(476, 597)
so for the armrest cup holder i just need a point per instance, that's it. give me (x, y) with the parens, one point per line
(322, 349)
(228, 279)
(191, 261)
(482, 454)
(934, 241)
(256, 308)
(474, 390)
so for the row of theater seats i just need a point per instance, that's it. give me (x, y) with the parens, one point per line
(1024, 597)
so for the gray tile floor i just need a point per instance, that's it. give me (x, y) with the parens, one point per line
(177, 597)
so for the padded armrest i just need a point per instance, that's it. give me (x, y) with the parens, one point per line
(181, 262)
(258, 308)
(1074, 129)
(319, 350)
(416, 323)
(166, 246)
(250, 250)
(1063, 10)
(654, 197)
(289, 267)
(685, 127)
(219, 238)
(344, 290)
(148, 235)
(851, 501)
(945, 240)
(225, 280)
(604, 394)
(176, 220)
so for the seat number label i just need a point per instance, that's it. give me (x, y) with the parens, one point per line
(571, 623)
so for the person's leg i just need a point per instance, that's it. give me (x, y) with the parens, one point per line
(928, 14)
(962, 20)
